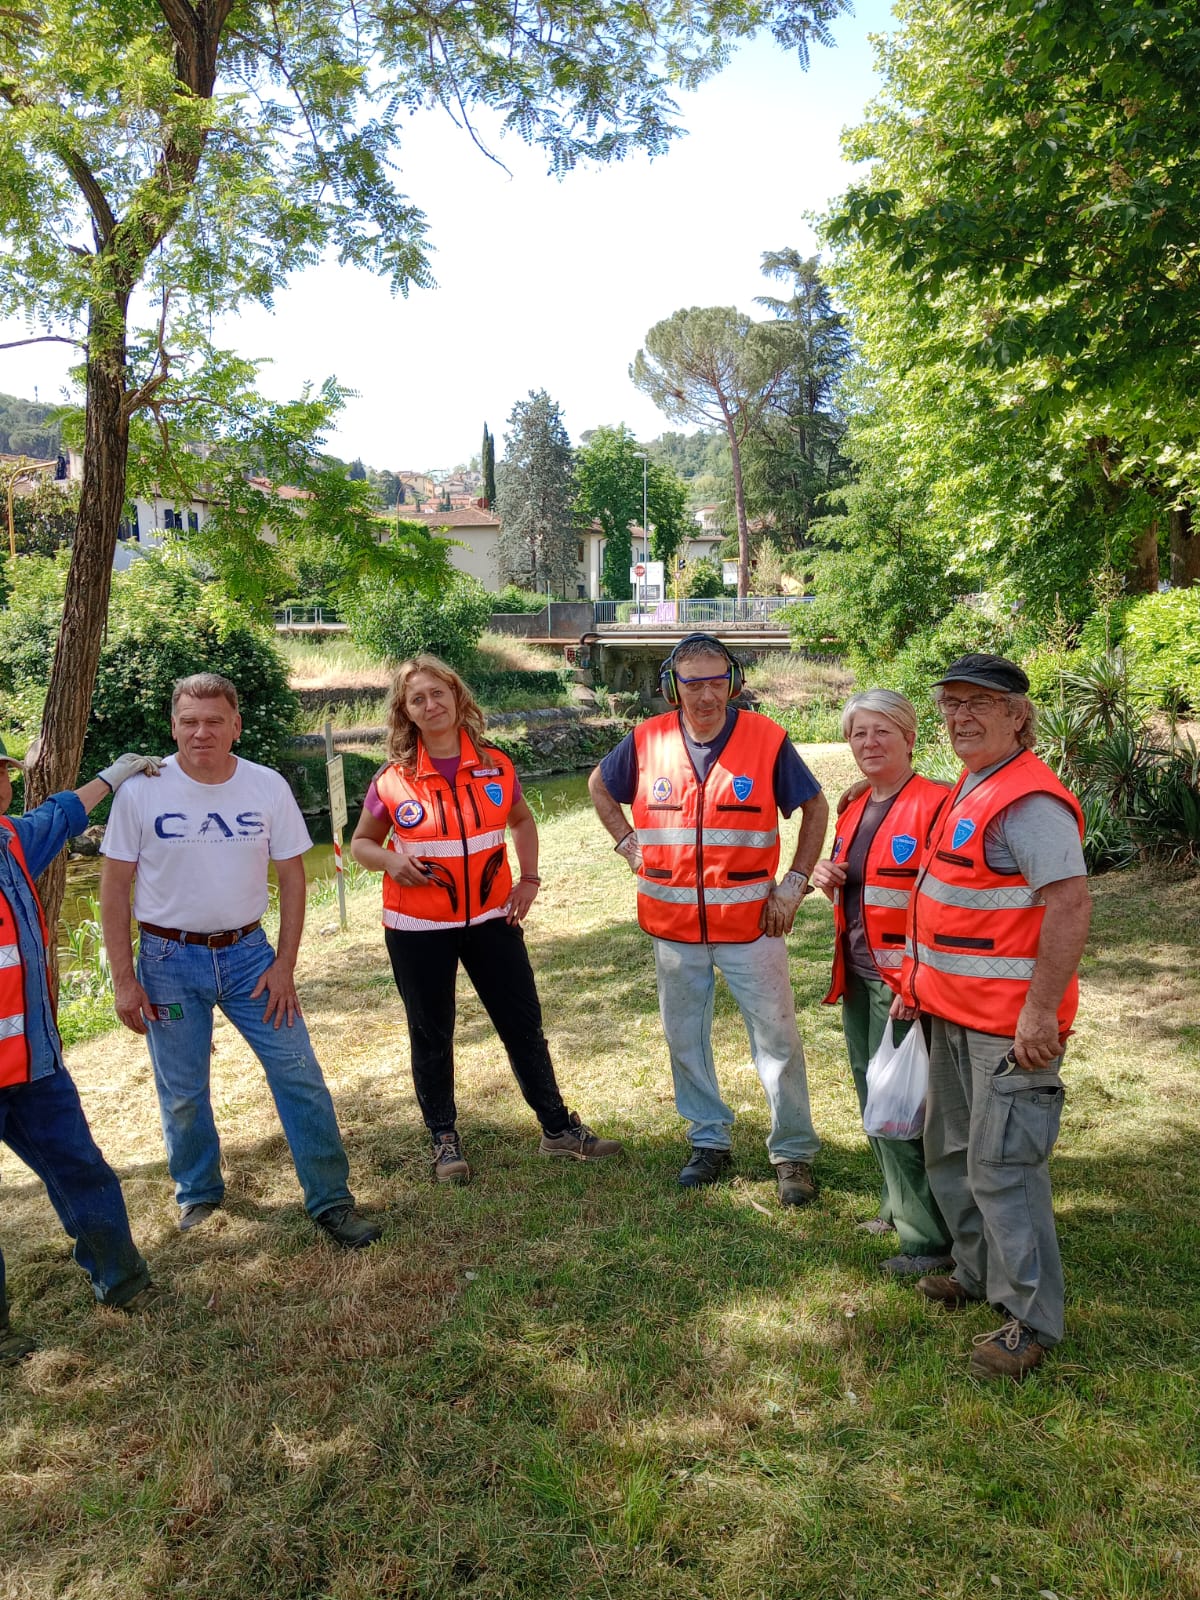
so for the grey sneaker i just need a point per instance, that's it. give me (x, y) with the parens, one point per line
(192, 1216)
(903, 1266)
(345, 1227)
(1012, 1351)
(449, 1163)
(578, 1141)
(876, 1225)
(706, 1166)
(797, 1186)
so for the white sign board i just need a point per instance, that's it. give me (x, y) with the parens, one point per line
(338, 813)
(729, 573)
(648, 582)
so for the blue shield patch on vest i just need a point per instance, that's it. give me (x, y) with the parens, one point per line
(494, 792)
(409, 813)
(903, 845)
(963, 829)
(742, 787)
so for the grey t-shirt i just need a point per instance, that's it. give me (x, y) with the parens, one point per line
(1036, 836)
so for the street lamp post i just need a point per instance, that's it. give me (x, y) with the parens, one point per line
(643, 457)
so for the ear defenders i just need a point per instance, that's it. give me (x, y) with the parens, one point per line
(669, 684)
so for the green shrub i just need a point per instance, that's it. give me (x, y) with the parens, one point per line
(1162, 640)
(512, 598)
(30, 621)
(393, 622)
(164, 624)
(701, 580)
(914, 669)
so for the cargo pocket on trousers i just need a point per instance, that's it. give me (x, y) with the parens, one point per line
(1020, 1124)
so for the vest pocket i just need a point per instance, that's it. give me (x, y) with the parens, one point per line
(950, 941)
(722, 807)
(655, 872)
(747, 877)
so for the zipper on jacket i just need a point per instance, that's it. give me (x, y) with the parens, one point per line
(441, 810)
(462, 833)
(700, 861)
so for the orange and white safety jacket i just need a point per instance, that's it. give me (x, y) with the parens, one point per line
(709, 850)
(457, 830)
(889, 872)
(15, 1060)
(973, 932)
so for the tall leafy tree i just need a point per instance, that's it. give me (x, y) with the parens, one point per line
(163, 161)
(793, 460)
(1030, 207)
(535, 483)
(715, 365)
(610, 487)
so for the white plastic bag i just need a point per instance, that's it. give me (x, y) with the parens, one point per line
(897, 1083)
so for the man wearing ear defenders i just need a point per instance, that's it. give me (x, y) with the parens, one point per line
(706, 783)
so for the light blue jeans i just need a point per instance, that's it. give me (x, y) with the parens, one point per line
(758, 979)
(184, 982)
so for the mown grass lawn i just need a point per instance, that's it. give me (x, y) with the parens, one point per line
(582, 1381)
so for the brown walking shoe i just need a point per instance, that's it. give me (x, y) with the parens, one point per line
(449, 1163)
(947, 1292)
(1012, 1351)
(578, 1141)
(797, 1186)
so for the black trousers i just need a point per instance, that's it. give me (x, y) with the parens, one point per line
(425, 966)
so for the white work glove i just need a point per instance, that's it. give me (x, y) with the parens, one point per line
(128, 766)
(789, 891)
(631, 850)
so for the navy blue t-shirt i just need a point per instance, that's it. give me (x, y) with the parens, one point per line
(793, 783)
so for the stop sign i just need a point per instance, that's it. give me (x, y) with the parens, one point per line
(640, 570)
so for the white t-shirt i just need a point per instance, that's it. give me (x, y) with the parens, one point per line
(202, 848)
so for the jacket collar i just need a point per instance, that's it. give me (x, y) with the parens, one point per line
(467, 756)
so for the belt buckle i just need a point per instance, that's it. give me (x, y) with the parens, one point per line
(218, 941)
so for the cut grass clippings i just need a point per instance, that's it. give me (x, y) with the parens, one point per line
(573, 1380)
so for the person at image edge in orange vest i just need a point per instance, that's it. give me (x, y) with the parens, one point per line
(869, 878)
(998, 923)
(706, 783)
(433, 823)
(41, 1119)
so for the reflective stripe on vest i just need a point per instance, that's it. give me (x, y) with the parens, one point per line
(885, 904)
(15, 1064)
(973, 932)
(709, 850)
(459, 829)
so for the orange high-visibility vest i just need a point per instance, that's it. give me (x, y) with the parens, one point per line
(889, 872)
(457, 830)
(973, 933)
(14, 1045)
(709, 851)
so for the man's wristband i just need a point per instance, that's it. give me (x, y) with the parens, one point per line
(625, 838)
(530, 877)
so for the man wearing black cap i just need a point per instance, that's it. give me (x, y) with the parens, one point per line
(41, 1118)
(999, 920)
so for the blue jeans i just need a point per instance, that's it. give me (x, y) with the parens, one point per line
(758, 979)
(44, 1124)
(184, 982)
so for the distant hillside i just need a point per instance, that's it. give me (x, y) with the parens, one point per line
(26, 429)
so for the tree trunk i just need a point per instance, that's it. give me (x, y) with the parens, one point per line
(1185, 549)
(1143, 569)
(739, 504)
(89, 579)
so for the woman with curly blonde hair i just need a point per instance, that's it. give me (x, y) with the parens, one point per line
(434, 823)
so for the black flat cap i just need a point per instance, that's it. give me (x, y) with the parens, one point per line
(990, 672)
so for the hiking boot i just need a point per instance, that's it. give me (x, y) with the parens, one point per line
(1012, 1351)
(706, 1166)
(192, 1216)
(345, 1227)
(578, 1140)
(903, 1266)
(797, 1186)
(449, 1163)
(14, 1347)
(147, 1299)
(946, 1291)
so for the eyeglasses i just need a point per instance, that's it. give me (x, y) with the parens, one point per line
(977, 706)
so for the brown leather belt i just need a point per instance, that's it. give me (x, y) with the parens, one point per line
(214, 941)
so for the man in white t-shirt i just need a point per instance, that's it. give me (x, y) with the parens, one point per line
(194, 846)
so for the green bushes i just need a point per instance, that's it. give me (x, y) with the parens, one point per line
(163, 624)
(392, 622)
(512, 598)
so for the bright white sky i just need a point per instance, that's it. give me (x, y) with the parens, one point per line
(548, 284)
